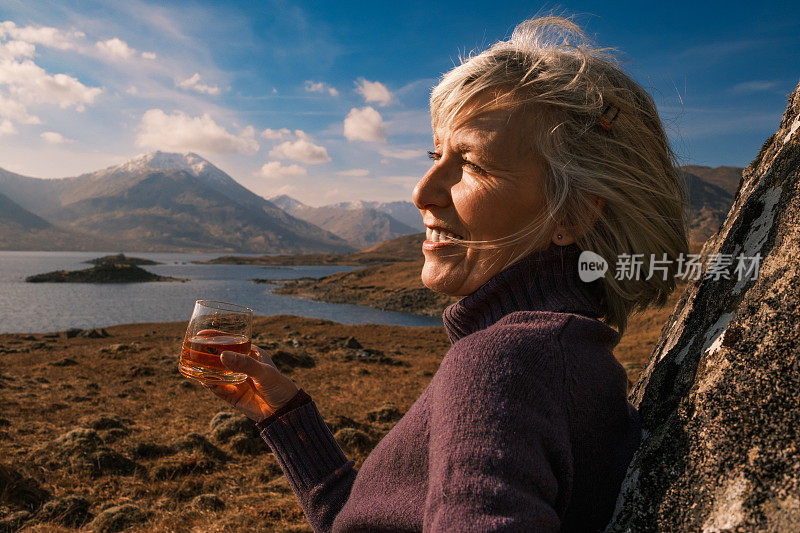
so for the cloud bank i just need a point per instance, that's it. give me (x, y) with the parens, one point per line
(183, 133)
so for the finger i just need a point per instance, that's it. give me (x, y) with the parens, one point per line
(246, 365)
(261, 355)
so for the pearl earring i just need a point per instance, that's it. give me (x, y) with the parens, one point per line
(558, 237)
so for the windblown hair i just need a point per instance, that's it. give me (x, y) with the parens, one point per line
(550, 70)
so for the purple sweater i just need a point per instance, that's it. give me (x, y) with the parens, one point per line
(524, 427)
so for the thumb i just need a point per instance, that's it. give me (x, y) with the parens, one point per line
(246, 365)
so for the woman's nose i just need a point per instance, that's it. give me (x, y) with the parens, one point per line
(433, 190)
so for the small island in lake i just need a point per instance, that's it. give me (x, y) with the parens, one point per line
(120, 259)
(103, 273)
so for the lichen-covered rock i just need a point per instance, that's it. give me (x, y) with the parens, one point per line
(720, 397)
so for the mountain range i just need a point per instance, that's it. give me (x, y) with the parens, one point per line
(181, 202)
(362, 224)
(165, 202)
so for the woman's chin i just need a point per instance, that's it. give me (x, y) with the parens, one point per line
(441, 279)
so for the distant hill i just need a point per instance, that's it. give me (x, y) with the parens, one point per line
(399, 249)
(168, 202)
(404, 211)
(356, 222)
(726, 178)
(22, 230)
(708, 206)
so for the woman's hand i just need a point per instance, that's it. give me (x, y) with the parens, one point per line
(264, 391)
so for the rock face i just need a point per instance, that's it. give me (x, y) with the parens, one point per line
(720, 397)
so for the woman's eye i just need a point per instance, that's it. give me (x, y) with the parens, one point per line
(475, 168)
(435, 156)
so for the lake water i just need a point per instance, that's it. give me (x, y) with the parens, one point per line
(43, 307)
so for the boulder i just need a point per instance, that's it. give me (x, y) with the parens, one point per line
(288, 360)
(369, 355)
(720, 396)
(94, 333)
(352, 343)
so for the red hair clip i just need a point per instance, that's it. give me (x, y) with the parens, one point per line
(608, 117)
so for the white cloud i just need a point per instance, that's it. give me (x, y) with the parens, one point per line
(301, 149)
(7, 128)
(16, 49)
(274, 170)
(276, 135)
(28, 83)
(54, 138)
(354, 173)
(320, 87)
(16, 111)
(194, 84)
(397, 153)
(754, 86)
(364, 124)
(149, 55)
(374, 91)
(181, 132)
(44, 35)
(132, 90)
(115, 49)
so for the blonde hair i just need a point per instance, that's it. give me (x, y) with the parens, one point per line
(551, 70)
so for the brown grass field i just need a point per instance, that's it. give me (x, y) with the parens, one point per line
(92, 424)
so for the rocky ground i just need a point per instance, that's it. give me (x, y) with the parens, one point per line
(393, 287)
(99, 430)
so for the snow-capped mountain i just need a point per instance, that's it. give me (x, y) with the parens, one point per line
(166, 201)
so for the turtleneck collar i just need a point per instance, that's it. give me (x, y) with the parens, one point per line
(546, 280)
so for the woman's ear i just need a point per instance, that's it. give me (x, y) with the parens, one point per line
(562, 237)
(599, 203)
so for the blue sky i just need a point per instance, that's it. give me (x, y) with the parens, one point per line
(327, 101)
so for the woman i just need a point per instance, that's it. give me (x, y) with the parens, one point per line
(543, 147)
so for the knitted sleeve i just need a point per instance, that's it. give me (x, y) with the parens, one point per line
(499, 453)
(315, 466)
